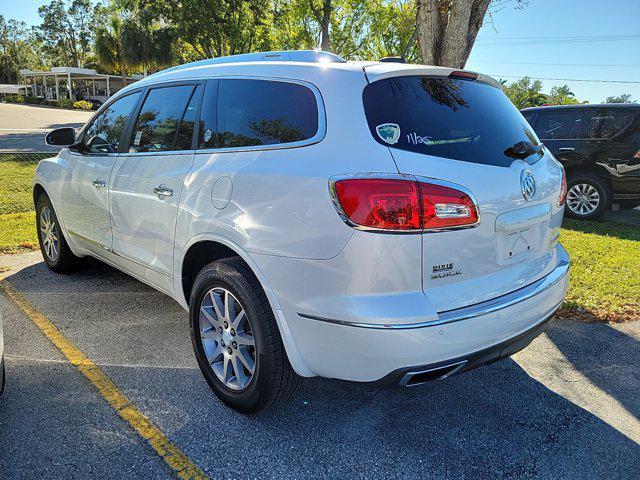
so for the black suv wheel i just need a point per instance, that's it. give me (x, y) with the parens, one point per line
(588, 196)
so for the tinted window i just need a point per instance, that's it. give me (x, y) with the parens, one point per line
(260, 112)
(450, 118)
(553, 125)
(607, 122)
(208, 116)
(158, 121)
(105, 132)
(184, 138)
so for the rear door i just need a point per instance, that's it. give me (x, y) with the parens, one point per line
(460, 131)
(612, 138)
(147, 180)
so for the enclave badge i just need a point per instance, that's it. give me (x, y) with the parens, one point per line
(527, 184)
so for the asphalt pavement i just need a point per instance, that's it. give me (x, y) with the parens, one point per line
(565, 407)
(23, 127)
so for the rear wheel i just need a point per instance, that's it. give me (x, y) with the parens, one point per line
(54, 248)
(236, 339)
(588, 196)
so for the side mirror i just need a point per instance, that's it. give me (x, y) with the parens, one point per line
(61, 137)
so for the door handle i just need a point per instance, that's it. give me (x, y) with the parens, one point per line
(99, 183)
(163, 191)
(566, 149)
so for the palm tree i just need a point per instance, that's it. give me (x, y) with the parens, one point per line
(109, 48)
(147, 45)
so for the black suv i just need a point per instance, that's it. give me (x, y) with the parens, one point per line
(599, 146)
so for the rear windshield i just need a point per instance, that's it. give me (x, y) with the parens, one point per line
(451, 118)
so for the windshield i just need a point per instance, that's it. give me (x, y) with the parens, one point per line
(445, 117)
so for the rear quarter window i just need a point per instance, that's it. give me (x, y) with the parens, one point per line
(451, 118)
(253, 113)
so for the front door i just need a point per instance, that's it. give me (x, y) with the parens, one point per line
(147, 181)
(84, 205)
(559, 130)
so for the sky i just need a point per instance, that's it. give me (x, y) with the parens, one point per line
(563, 39)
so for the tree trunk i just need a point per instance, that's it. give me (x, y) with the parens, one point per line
(429, 31)
(448, 30)
(325, 43)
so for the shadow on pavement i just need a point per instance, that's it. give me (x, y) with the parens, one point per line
(494, 422)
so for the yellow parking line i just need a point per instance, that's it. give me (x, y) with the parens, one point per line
(168, 451)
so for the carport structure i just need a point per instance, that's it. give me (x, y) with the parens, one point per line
(72, 83)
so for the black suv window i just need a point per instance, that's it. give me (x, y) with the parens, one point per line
(263, 112)
(607, 122)
(554, 125)
(160, 118)
(445, 117)
(105, 132)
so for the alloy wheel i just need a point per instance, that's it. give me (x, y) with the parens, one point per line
(227, 338)
(49, 234)
(583, 199)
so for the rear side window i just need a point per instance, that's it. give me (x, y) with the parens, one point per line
(554, 125)
(607, 122)
(451, 118)
(160, 118)
(262, 112)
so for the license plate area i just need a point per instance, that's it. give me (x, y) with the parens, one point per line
(519, 233)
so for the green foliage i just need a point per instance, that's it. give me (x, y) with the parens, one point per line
(66, 31)
(19, 48)
(561, 95)
(14, 99)
(525, 93)
(82, 105)
(65, 103)
(622, 98)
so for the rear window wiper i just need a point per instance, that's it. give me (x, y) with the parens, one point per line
(522, 150)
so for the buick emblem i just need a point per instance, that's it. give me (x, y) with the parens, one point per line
(527, 185)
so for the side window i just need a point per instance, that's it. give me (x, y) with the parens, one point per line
(558, 125)
(263, 112)
(105, 132)
(607, 122)
(208, 126)
(160, 117)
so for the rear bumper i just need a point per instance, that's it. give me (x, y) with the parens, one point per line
(410, 376)
(370, 351)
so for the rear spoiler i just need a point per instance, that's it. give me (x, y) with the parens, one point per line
(381, 70)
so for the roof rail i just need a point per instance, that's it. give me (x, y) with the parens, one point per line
(311, 56)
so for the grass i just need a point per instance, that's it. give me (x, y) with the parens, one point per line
(17, 220)
(605, 270)
(605, 256)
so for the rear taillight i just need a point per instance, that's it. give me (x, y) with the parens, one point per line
(563, 189)
(402, 205)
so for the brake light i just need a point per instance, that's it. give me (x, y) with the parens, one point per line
(463, 75)
(402, 205)
(563, 189)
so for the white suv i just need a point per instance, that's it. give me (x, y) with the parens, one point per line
(367, 221)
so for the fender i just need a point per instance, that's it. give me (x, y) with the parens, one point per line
(293, 354)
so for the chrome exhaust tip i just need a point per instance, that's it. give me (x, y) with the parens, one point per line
(411, 379)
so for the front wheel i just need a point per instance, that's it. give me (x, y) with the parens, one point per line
(54, 248)
(588, 196)
(236, 338)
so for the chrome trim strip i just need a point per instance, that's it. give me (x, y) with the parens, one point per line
(472, 311)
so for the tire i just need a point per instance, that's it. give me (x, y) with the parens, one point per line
(231, 282)
(60, 259)
(588, 197)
